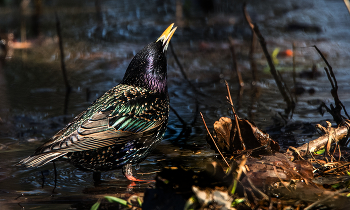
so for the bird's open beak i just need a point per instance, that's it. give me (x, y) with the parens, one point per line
(166, 36)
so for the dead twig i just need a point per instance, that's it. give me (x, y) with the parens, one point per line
(275, 170)
(182, 70)
(336, 168)
(236, 117)
(297, 151)
(281, 87)
(251, 58)
(294, 72)
(189, 83)
(178, 116)
(60, 43)
(334, 111)
(239, 173)
(234, 60)
(319, 143)
(213, 139)
(324, 199)
(253, 186)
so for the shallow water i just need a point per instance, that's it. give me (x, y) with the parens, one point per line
(33, 94)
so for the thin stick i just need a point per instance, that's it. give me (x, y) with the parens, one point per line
(253, 186)
(275, 170)
(213, 139)
(178, 116)
(294, 72)
(319, 143)
(236, 117)
(188, 81)
(54, 167)
(182, 69)
(251, 58)
(336, 168)
(254, 27)
(239, 173)
(326, 198)
(338, 104)
(234, 60)
(63, 66)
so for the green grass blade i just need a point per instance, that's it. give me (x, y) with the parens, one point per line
(117, 200)
(95, 206)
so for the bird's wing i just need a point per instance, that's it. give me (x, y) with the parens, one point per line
(124, 113)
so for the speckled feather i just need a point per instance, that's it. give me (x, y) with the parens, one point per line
(122, 126)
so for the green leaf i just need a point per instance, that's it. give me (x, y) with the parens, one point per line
(190, 202)
(348, 173)
(117, 200)
(320, 152)
(336, 185)
(237, 201)
(234, 187)
(139, 201)
(274, 55)
(95, 206)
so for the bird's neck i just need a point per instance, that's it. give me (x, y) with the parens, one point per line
(148, 80)
(157, 83)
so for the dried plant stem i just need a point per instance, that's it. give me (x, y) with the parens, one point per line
(206, 127)
(251, 58)
(319, 143)
(294, 72)
(326, 198)
(284, 184)
(281, 87)
(189, 83)
(63, 66)
(182, 69)
(334, 111)
(239, 173)
(234, 60)
(178, 116)
(236, 117)
(253, 186)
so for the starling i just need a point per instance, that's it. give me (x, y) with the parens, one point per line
(122, 126)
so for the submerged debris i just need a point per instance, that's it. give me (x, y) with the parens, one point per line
(226, 137)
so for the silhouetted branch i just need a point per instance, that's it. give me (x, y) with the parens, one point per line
(294, 72)
(178, 116)
(324, 199)
(334, 111)
(63, 66)
(254, 27)
(188, 81)
(234, 60)
(251, 58)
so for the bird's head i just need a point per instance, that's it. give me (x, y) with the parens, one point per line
(148, 68)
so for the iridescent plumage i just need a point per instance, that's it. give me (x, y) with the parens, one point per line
(122, 126)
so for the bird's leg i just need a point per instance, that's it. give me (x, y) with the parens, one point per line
(97, 178)
(54, 167)
(43, 178)
(127, 171)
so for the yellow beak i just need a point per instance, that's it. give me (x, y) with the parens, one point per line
(166, 36)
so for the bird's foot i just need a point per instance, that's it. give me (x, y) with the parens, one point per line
(127, 171)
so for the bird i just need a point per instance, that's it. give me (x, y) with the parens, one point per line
(121, 127)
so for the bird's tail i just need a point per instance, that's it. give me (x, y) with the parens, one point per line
(40, 159)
